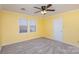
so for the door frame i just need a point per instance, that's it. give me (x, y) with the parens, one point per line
(61, 30)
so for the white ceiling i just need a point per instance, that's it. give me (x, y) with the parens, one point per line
(30, 10)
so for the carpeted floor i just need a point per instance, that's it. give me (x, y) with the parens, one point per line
(39, 46)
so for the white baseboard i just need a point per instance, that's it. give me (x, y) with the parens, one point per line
(20, 41)
(65, 42)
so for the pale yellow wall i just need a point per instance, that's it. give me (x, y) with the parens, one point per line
(0, 29)
(0, 25)
(70, 26)
(48, 27)
(10, 28)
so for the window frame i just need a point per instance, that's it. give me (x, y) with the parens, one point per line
(32, 25)
(19, 26)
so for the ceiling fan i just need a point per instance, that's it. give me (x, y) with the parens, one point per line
(44, 9)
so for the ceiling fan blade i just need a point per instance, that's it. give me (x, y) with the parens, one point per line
(37, 12)
(50, 10)
(49, 5)
(37, 7)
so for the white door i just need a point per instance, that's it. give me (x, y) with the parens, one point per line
(58, 29)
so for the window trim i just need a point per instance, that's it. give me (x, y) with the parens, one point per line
(19, 29)
(34, 25)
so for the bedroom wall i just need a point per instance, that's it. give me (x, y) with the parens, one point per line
(0, 26)
(0, 32)
(10, 28)
(48, 21)
(70, 26)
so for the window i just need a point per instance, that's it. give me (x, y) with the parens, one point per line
(23, 25)
(32, 26)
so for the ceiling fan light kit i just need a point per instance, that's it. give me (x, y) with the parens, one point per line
(43, 12)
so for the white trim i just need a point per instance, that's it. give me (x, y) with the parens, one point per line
(64, 42)
(34, 24)
(27, 26)
(58, 19)
(21, 40)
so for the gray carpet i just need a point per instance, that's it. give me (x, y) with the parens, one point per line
(39, 46)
